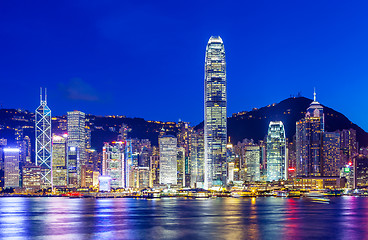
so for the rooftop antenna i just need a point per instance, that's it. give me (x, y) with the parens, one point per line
(314, 95)
(40, 94)
(45, 95)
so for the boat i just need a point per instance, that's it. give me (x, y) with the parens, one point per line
(280, 193)
(317, 197)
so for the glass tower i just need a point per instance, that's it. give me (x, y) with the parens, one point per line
(59, 169)
(76, 146)
(43, 141)
(168, 159)
(309, 134)
(215, 129)
(276, 152)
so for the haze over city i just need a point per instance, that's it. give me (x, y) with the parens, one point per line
(147, 59)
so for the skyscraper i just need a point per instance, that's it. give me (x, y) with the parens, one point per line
(114, 164)
(43, 141)
(59, 168)
(309, 131)
(181, 166)
(276, 152)
(215, 129)
(331, 154)
(196, 154)
(168, 159)
(76, 144)
(11, 167)
(253, 162)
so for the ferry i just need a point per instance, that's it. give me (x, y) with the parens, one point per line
(317, 197)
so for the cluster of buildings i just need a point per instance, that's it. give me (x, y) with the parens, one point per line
(193, 158)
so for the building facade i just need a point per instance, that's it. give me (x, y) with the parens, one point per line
(43, 141)
(31, 178)
(168, 160)
(114, 164)
(59, 164)
(11, 167)
(181, 166)
(76, 142)
(196, 156)
(215, 112)
(252, 163)
(276, 152)
(309, 132)
(331, 154)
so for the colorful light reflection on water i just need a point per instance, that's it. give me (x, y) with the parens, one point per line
(174, 218)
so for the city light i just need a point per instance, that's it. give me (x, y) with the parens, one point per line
(11, 149)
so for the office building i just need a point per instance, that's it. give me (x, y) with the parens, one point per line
(276, 152)
(215, 113)
(43, 141)
(31, 178)
(196, 155)
(114, 164)
(59, 161)
(360, 171)
(331, 154)
(181, 166)
(11, 167)
(309, 132)
(252, 162)
(168, 160)
(77, 142)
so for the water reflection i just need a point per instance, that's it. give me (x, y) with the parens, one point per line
(228, 218)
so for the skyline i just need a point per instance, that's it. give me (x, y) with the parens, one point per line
(90, 56)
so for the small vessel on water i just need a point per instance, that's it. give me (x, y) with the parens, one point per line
(280, 193)
(317, 197)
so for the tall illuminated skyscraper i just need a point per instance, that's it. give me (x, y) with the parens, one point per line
(309, 132)
(11, 167)
(59, 168)
(114, 163)
(43, 141)
(215, 129)
(276, 152)
(76, 146)
(196, 155)
(168, 159)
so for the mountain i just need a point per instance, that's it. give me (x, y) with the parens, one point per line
(254, 124)
(251, 125)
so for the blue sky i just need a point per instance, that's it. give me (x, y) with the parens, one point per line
(146, 58)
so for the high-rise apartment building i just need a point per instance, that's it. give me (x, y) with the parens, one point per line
(168, 159)
(43, 141)
(215, 112)
(76, 144)
(276, 152)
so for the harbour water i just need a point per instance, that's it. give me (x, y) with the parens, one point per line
(180, 218)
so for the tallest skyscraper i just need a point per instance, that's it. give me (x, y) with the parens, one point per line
(215, 129)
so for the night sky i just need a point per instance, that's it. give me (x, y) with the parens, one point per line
(146, 59)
